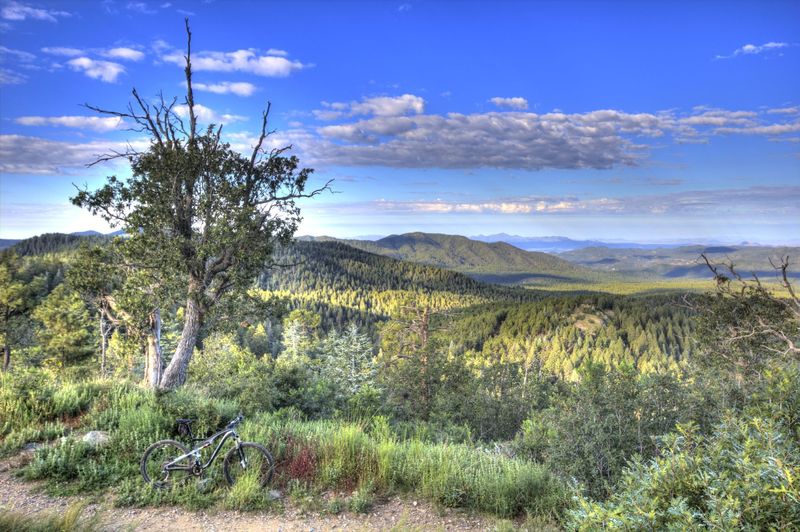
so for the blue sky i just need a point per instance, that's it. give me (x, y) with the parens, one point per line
(639, 121)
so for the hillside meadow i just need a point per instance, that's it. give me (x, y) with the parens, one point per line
(367, 377)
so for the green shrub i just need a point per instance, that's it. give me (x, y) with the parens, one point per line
(209, 411)
(60, 463)
(71, 399)
(743, 476)
(227, 371)
(190, 494)
(590, 432)
(363, 499)
(25, 398)
(16, 439)
(247, 494)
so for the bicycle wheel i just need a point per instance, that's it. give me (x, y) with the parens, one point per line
(248, 459)
(157, 456)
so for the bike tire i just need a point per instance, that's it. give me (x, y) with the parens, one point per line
(256, 455)
(156, 456)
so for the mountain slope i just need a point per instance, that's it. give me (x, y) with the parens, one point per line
(495, 262)
(338, 266)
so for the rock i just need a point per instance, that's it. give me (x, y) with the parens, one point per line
(204, 485)
(97, 438)
(32, 446)
(275, 495)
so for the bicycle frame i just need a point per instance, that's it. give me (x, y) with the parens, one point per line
(228, 433)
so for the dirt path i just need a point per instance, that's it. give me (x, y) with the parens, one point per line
(396, 514)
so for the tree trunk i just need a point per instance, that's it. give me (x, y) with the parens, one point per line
(102, 345)
(154, 361)
(175, 374)
(6, 357)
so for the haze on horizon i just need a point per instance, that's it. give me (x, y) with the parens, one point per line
(645, 122)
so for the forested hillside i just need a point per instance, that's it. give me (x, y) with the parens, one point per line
(429, 362)
(496, 262)
(559, 335)
(54, 243)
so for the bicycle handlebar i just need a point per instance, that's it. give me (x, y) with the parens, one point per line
(235, 421)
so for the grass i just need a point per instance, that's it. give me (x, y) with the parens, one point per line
(66, 521)
(364, 460)
(346, 456)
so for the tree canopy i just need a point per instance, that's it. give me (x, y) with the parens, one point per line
(196, 211)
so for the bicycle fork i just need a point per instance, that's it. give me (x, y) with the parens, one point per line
(240, 451)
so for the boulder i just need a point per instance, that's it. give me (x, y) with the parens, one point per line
(97, 438)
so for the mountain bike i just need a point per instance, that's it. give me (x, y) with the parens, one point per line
(168, 461)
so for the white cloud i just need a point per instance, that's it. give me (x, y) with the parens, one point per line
(494, 140)
(771, 129)
(125, 53)
(18, 11)
(95, 123)
(752, 200)
(275, 66)
(21, 154)
(103, 70)
(511, 103)
(752, 49)
(207, 115)
(784, 111)
(9, 77)
(376, 106)
(128, 54)
(278, 52)
(720, 117)
(141, 7)
(604, 138)
(239, 88)
(18, 55)
(389, 106)
(63, 50)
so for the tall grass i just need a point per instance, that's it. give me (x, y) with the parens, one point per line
(66, 521)
(367, 458)
(452, 475)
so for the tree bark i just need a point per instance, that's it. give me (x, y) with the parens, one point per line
(175, 374)
(154, 361)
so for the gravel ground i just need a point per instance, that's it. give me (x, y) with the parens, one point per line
(394, 514)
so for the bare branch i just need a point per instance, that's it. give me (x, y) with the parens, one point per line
(189, 92)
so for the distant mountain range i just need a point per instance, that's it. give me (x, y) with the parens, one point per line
(496, 262)
(500, 262)
(683, 261)
(559, 244)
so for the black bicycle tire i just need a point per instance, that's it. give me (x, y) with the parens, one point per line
(149, 451)
(234, 455)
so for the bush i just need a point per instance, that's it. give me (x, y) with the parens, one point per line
(227, 371)
(744, 476)
(591, 432)
(25, 399)
(16, 439)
